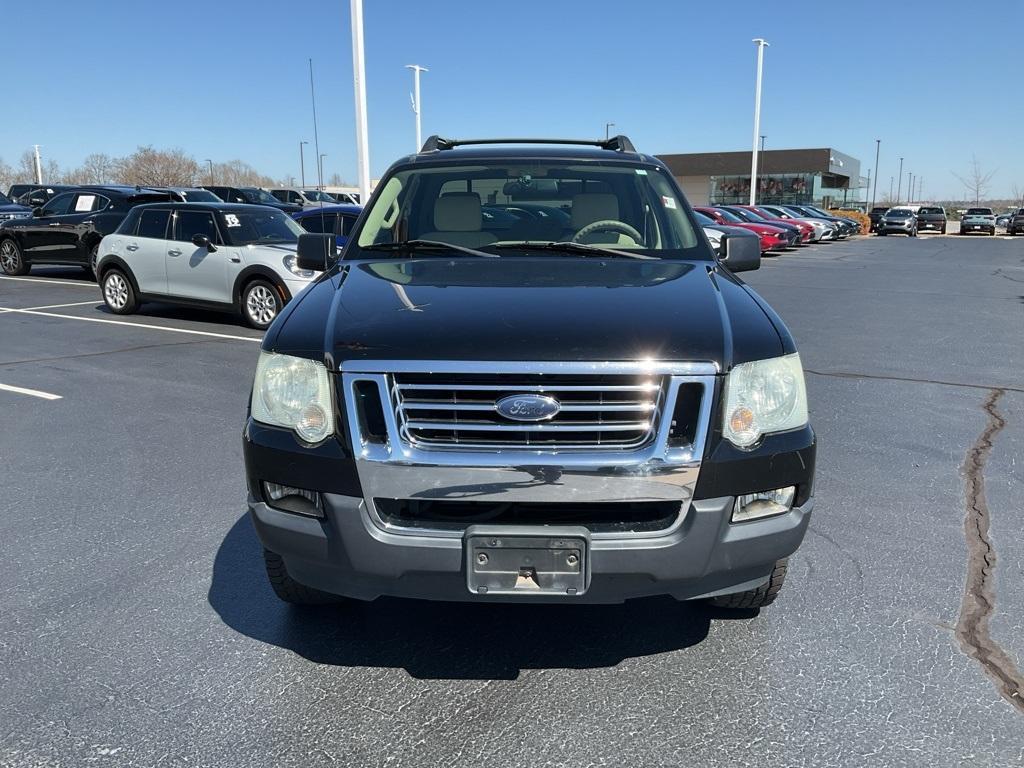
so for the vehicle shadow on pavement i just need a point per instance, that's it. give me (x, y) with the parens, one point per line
(447, 640)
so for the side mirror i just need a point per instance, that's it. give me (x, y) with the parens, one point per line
(37, 201)
(38, 212)
(202, 241)
(316, 252)
(741, 254)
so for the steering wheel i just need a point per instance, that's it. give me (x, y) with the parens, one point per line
(609, 225)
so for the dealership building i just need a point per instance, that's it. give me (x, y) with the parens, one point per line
(825, 177)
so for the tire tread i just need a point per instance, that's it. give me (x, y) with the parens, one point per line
(760, 597)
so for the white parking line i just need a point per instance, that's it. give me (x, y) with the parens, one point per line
(130, 325)
(30, 392)
(51, 280)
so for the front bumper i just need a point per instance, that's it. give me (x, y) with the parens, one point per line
(348, 553)
(905, 229)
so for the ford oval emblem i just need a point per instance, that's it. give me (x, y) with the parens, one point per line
(528, 407)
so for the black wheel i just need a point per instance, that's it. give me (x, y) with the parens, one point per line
(94, 253)
(261, 303)
(882, 234)
(118, 294)
(11, 260)
(756, 598)
(291, 591)
(943, 231)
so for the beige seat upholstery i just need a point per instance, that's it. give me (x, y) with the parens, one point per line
(457, 220)
(589, 207)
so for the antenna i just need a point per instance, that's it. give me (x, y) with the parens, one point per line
(320, 161)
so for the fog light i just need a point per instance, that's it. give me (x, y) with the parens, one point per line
(753, 506)
(297, 500)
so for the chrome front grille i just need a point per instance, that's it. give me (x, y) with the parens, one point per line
(617, 411)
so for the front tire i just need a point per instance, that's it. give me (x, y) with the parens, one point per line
(118, 293)
(291, 591)
(261, 303)
(11, 259)
(761, 596)
(94, 254)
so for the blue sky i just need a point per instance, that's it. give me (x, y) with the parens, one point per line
(228, 79)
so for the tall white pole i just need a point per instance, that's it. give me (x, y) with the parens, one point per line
(757, 119)
(38, 165)
(416, 69)
(359, 81)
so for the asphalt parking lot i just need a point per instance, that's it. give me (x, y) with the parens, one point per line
(137, 628)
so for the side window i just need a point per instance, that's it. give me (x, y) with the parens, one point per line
(236, 196)
(295, 197)
(345, 224)
(59, 205)
(153, 224)
(318, 224)
(191, 223)
(280, 194)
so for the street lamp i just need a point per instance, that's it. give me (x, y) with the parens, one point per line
(899, 182)
(302, 162)
(910, 187)
(322, 156)
(878, 149)
(359, 86)
(210, 162)
(416, 69)
(608, 130)
(761, 44)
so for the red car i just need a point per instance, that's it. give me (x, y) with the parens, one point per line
(806, 230)
(772, 238)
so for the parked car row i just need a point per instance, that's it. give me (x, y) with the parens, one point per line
(910, 220)
(778, 227)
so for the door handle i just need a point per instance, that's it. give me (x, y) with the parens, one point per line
(174, 253)
(54, 223)
(235, 260)
(131, 247)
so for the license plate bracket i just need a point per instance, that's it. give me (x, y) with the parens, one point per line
(527, 561)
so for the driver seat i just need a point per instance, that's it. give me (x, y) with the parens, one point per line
(588, 207)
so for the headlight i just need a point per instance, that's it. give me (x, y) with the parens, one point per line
(762, 397)
(291, 264)
(293, 392)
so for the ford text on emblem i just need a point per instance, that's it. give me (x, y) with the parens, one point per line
(528, 407)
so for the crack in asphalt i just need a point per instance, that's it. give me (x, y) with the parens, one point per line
(978, 604)
(5, 363)
(883, 377)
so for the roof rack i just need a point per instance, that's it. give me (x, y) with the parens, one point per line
(618, 143)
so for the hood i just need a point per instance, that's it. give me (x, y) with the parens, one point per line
(14, 208)
(528, 309)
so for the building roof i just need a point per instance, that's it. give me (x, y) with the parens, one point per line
(822, 160)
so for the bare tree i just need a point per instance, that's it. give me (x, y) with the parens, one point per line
(977, 181)
(1018, 195)
(337, 181)
(236, 173)
(150, 167)
(97, 168)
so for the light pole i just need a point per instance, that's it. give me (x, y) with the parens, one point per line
(757, 118)
(416, 69)
(899, 183)
(210, 163)
(37, 164)
(878, 149)
(891, 182)
(910, 187)
(302, 162)
(359, 86)
(608, 130)
(867, 188)
(321, 174)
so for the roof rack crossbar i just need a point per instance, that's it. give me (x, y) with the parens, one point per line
(618, 143)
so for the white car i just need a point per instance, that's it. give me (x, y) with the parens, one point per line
(237, 258)
(307, 198)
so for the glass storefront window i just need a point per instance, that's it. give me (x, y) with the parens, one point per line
(779, 189)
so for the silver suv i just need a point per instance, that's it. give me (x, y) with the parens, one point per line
(236, 258)
(307, 198)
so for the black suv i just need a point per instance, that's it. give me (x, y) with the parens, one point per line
(876, 214)
(68, 229)
(251, 196)
(575, 409)
(1015, 224)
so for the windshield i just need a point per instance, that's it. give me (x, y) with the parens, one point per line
(260, 196)
(703, 219)
(730, 216)
(752, 215)
(317, 196)
(4, 198)
(506, 206)
(899, 212)
(198, 196)
(254, 227)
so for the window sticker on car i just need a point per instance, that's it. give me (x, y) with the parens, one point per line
(232, 220)
(84, 202)
(669, 202)
(641, 172)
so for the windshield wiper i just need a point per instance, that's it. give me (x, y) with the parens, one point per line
(570, 247)
(426, 245)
